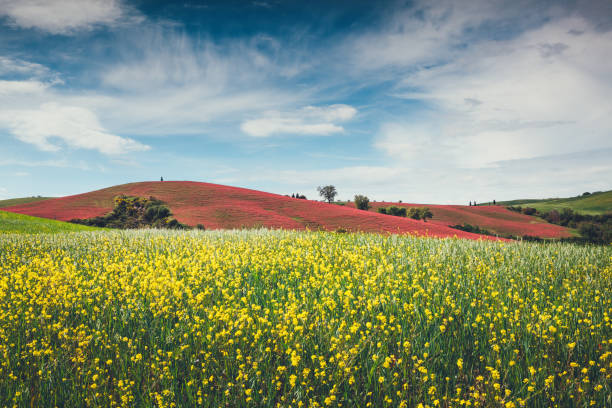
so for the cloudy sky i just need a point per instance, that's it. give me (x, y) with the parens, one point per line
(423, 101)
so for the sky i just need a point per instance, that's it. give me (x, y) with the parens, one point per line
(419, 101)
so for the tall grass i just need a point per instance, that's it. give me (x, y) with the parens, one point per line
(273, 318)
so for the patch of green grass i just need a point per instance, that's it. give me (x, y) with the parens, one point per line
(593, 204)
(25, 224)
(19, 201)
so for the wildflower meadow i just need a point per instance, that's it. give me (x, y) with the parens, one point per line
(301, 319)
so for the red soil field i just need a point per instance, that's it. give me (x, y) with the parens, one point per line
(223, 207)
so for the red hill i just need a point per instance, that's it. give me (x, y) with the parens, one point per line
(220, 207)
(495, 218)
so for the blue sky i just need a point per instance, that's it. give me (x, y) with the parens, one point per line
(420, 101)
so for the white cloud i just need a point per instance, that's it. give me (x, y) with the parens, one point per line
(61, 16)
(169, 86)
(542, 92)
(21, 87)
(311, 120)
(74, 126)
(18, 66)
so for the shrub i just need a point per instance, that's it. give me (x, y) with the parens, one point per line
(362, 202)
(397, 211)
(135, 212)
(529, 211)
(414, 213)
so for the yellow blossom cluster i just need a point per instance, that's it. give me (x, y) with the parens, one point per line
(301, 319)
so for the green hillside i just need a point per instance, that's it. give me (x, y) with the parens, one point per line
(19, 201)
(593, 204)
(25, 224)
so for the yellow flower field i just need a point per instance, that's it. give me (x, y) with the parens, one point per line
(301, 319)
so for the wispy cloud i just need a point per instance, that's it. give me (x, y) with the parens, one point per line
(429, 32)
(174, 84)
(311, 120)
(17, 66)
(61, 163)
(171, 86)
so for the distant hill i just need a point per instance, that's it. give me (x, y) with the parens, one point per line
(19, 201)
(593, 204)
(25, 224)
(496, 219)
(224, 207)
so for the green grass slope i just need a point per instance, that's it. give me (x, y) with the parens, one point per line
(25, 224)
(596, 203)
(19, 201)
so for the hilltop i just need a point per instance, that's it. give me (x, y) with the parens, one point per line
(588, 203)
(224, 207)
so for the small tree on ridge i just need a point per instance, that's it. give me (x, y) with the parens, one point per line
(327, 192)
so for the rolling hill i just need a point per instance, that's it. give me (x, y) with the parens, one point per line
(18, 201)
(496, 219)
(220, 207)
(26, 224)
(593, 204)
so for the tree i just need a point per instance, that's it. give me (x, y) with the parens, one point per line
(362, 202)
(414, 213)
(426, 213)
(327, 192)
(420, 213)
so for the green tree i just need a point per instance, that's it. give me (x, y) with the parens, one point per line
(425, 213)
(414, 213)
(362, 202)
(327, 192)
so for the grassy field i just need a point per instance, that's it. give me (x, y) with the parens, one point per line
(597, 203)
(276, 319)
(25, 224)
(19, 201)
